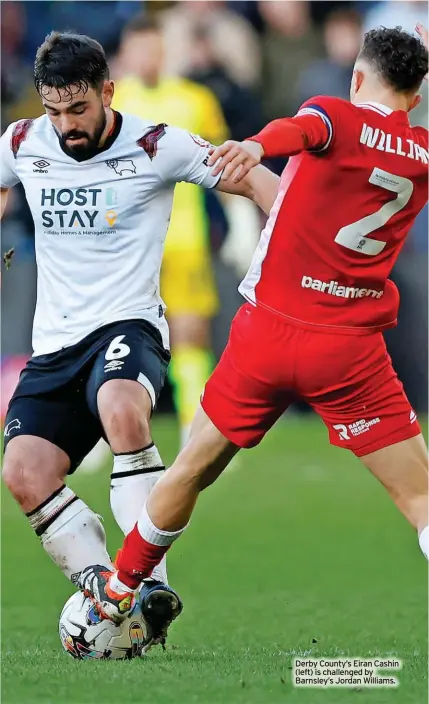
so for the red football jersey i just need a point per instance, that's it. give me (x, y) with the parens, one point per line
(340, 219)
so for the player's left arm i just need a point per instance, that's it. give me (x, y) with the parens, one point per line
(260, 185)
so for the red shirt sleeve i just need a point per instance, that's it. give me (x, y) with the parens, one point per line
(292, 135)
(311, 129)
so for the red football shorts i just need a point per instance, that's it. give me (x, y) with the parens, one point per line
(348, 380)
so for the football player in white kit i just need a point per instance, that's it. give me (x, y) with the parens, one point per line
(100, 188)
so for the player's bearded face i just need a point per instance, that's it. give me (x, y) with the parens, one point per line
(79, 119)
(82, 143)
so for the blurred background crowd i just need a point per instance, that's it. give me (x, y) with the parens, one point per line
(256, 60)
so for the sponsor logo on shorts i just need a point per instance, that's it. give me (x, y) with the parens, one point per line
(114, 365)
(334, 288)
(14, 424)
(347, 432)
(413, 416)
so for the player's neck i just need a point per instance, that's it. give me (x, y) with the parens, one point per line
(110, 123)
(391, 100)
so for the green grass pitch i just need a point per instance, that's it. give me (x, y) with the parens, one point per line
(296, 551)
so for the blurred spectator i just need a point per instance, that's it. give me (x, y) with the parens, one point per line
(320, 9)
(290, 43)
(187, 279)
(234, 40)
(102, 20)
(241, 106)
(12, 64)
(332, 75)
(249, 9)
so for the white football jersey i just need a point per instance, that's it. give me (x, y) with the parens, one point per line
(100, 224)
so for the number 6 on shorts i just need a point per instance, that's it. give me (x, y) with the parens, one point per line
(117, 349)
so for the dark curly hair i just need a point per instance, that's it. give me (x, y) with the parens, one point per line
(70, 61)
(399, 58)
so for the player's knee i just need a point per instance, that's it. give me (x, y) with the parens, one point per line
(32, 469)
(12, 473)
(17, 475)
(127, 428)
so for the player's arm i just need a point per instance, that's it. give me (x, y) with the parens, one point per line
(260, 185)
(181, 156)
(308, 130)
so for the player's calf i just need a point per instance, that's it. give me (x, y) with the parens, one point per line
(72, 534)
(403, 470)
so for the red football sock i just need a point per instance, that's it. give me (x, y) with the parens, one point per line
(137, 559)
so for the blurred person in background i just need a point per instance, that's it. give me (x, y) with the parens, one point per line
(240, 105)
(187, 281)
(242, 108)
(332, 75)
(290, 43)
(234, 40)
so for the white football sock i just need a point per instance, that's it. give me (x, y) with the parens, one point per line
(70, 532)
(424, 542)
(154, 535)
(133, 477)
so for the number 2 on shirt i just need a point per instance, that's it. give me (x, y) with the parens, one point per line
(354, 236)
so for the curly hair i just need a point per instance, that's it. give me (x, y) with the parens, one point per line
(72, 62)
(400, 58)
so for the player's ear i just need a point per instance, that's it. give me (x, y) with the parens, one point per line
(107, 93)
(357, 80)
(415, 101)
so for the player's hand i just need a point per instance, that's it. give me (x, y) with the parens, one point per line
(235, 159)
(423, 34)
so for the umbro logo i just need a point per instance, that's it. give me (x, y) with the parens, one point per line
(42, 165)
(114, 365)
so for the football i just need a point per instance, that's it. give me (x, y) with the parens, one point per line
(85, 635)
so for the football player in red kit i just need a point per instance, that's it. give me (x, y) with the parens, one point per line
(318, 299)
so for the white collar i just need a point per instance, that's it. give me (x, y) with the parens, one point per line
(377, 107)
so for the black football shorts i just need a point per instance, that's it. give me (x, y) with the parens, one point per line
(56, 396)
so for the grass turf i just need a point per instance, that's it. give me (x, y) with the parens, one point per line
(298, 551)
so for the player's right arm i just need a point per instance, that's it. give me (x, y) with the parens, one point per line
(310, 129)
(8, 176)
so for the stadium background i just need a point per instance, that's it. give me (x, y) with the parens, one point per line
(296, 550)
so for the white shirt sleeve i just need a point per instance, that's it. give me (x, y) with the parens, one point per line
(182, 156)
(8, 176)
